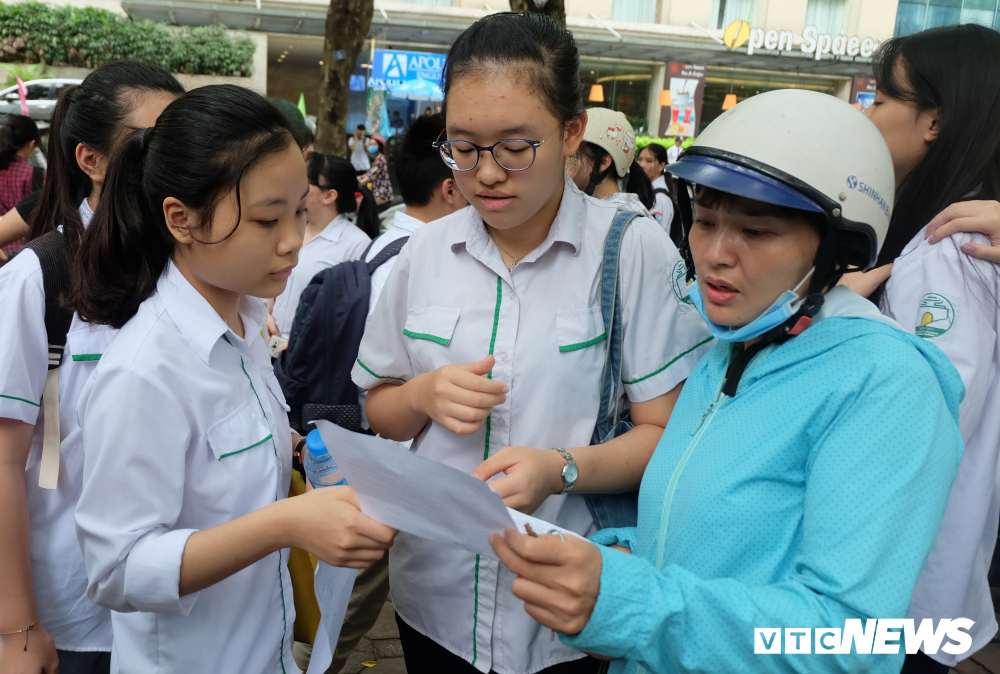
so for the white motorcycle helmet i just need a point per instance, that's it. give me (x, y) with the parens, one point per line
(803, 150)
(610, 130)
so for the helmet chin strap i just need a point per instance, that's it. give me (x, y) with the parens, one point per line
(822, 273)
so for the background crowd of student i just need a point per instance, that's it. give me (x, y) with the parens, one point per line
(177, 211)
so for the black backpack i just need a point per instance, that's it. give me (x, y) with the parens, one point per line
(315, 370)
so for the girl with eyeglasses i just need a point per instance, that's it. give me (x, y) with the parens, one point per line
(487, 344)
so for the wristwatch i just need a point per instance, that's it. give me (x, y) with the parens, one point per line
(569, 472)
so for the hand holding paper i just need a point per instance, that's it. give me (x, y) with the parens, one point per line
(422, 497)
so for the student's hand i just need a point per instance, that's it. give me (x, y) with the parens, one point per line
(40, 658)
(864, 283)
(459, 397)
(329, 525)
(272, 326)
(970, 216)
(559, 580)
(531, 475)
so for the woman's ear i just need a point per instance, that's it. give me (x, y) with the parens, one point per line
(180, 220)
(329, 197)
(931, 124)
(91, 162)
(606, 163)
(573, 134)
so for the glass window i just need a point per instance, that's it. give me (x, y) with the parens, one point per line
(625, 87)
(38, 92)
(943, 13)
(979, 11)
(913, 16)
(637, 11)
(910, 17)
(827, 15)
(727, 11)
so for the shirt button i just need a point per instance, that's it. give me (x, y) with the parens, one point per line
(511, 295)
(503, 355)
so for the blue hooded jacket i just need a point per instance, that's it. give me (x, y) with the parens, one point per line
(811, 497)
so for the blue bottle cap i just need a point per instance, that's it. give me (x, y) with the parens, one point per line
(314, 443)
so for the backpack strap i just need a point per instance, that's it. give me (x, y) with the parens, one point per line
(611, 312)
(52, 256)
(386, 254)
(660, 190)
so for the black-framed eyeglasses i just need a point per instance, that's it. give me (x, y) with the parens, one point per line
(513, 154)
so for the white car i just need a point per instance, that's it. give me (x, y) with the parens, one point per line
(41, 99)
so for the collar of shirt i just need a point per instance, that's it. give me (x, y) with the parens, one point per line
(334, 230)
(197, 321)
(86, 212)
(567, 227)
(407, 222)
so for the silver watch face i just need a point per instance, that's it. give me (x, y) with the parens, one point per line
(570, 473)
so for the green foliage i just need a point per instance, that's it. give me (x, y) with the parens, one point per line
(26, 73)
(87, 37)
(643, 141)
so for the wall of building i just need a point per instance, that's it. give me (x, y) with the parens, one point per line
(686, 12)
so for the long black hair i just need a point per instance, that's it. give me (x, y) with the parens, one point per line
(659, 153)
(17, 132)
(199, 150)
(540, 49)
(367, 220)
(330, 172)
(956, 71)
(95, 113)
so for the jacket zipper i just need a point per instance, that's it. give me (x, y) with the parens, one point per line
(668, 498)
(698, 431)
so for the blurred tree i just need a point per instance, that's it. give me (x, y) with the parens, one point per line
(554, 8)
(347, 23)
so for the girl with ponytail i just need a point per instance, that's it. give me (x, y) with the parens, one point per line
(182, 519)
(43, 580)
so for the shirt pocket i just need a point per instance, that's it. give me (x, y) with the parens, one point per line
(578, 329)
(433, 324)
(87, 345)
(238, 433)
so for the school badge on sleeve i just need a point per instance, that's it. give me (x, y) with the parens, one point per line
(936, 316)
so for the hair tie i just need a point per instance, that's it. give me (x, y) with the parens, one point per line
(145, 137)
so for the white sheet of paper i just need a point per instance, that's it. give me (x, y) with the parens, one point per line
(419, 496)
(333, 586)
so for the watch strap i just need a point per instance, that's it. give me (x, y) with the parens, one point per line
(568, 460)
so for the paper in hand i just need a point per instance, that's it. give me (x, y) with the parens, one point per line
(419, 496)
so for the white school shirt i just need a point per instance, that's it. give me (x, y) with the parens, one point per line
(949, 298)
(402, 225)
(184, 428)
(663, 207)
(673, 152)
(450, 299)
(626, 201)
(58, 573)
(339, 241)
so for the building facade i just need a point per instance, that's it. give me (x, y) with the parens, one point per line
(706, 53)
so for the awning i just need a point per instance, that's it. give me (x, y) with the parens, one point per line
(396, 22)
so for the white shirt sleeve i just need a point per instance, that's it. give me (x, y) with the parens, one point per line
(382, 358)
(664, 335)
(136, 438)
(24, 354)
(947, 297)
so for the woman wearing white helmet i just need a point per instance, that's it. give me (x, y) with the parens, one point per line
(601, 167)
(805, 470)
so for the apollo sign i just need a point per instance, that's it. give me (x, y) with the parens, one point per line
(739, 33)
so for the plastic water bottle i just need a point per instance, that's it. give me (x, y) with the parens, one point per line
(321, 469)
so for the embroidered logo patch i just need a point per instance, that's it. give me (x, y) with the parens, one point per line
(935, 317)
(678, 283)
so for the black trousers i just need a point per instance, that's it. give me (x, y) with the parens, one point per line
(425, 656)
(919, 663)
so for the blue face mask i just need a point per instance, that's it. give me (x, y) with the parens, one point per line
(783, 308)
(373, 149)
